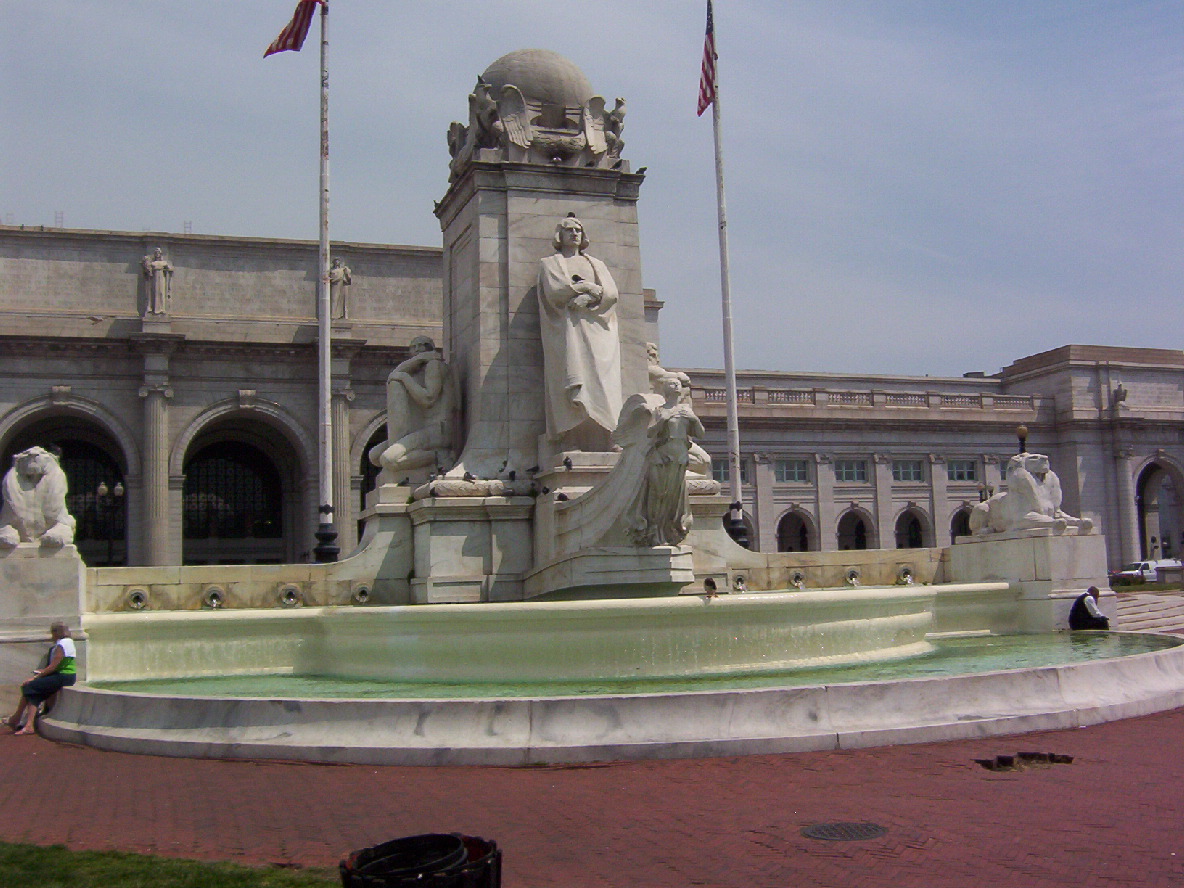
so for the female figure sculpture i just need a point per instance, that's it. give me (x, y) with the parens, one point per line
(659, 514)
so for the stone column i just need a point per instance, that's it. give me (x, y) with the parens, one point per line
(1128, 513)
(882, 477)
(824, 475)
(156, 345)
(939, 500)
(764, 511)
(345, 512)
(156, 473)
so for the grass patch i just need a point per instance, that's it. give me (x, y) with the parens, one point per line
(1146, 587)
(57, 867)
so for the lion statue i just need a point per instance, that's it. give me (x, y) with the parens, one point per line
(34, 509)
(1032, 499)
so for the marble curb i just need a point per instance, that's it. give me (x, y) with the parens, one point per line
(629, 727)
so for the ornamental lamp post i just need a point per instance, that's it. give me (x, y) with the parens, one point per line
(109, 500)
(1021, 432)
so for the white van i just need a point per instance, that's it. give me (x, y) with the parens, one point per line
(1140, 572)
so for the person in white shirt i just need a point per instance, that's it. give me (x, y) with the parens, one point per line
(60, 671)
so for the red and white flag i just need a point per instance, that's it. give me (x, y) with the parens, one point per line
(292, 37)
(707, 71)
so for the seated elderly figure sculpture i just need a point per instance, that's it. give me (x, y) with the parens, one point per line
(1032, 500)
(421, 402)
(34, 509)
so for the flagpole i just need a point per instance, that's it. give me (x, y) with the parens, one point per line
(326, 535)
(738, 529)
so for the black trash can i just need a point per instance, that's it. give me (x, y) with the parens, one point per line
(434, 860)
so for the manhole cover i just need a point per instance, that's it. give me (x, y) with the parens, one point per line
(843, 832)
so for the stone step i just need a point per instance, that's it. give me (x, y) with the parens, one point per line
(1150, 612)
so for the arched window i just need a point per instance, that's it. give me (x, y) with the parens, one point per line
(369, 471)
(1158, 504)
(794, 533)
(852, 531)
(960, 524)
(233, 506)
(909, 533)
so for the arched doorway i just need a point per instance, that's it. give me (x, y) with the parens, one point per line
(853, 533)
(240, 498)
(95, 478)
(1158, 501)
(369, 471)
(795, 533)
(960, 523)
(910, 530)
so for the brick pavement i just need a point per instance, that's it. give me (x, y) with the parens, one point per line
(1111, 818)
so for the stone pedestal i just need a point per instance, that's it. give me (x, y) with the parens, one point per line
(1048, 570)
(498, 220)
(384, 560)
(615, 572)
(470, 548)
(38, 585)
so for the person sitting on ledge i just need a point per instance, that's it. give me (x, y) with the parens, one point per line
(1085, 614)
(58, 673)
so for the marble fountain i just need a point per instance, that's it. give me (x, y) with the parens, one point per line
(544, 575)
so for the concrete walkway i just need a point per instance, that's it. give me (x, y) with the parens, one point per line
(1110, 818)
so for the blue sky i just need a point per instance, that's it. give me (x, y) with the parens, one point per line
(914, 186)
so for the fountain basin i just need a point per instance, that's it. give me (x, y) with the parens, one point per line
(551, 729)
(520, 641)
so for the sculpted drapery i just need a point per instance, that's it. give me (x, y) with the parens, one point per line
(578, 324)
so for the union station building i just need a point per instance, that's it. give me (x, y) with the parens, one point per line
(189, 435)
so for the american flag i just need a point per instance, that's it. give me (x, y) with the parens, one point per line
(292, 37)
(707, 71)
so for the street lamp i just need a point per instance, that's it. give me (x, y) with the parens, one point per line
(1021, 432)
(109, 501)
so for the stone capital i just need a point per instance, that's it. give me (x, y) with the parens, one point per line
(164, 391)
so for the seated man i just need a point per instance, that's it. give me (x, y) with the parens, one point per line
(1085, 613)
